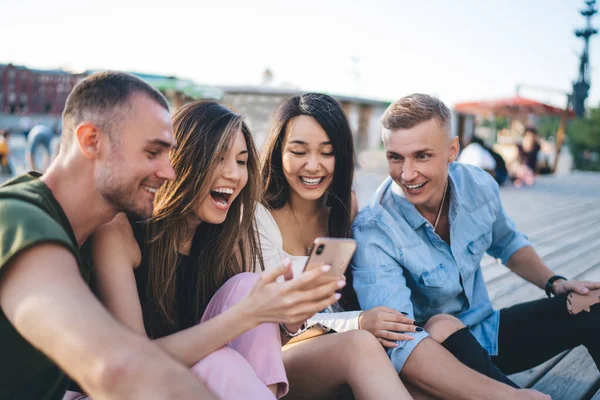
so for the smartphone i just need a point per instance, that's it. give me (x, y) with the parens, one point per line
(333, 251)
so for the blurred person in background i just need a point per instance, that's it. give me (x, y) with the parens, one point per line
(529, 149)
(39, 148)
(5, 165)
(481, 155)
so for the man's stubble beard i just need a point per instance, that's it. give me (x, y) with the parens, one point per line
(117, 191)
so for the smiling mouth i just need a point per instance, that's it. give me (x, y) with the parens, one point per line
(415, 187)
(221, 196)
(150, 189)
(312, 181)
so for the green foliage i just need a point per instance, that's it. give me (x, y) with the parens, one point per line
(548, 126)
(500, 123)
(584, 134)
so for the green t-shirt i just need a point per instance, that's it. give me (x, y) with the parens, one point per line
(29, 215)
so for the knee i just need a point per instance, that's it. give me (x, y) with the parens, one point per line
(218, 362)
(236, 288)
(441, 326)
(359, 342)
(240, 284)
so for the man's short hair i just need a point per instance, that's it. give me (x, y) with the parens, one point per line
(414, 109)
(102, 98)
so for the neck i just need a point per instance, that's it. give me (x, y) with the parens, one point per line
(435, 207)
(305, 209)
(192, 223)
(71, 184)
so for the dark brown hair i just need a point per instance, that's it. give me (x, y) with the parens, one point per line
(276, 190)
(330, 115)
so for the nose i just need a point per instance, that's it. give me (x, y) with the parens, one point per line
(313, 164)
(409, 171)
(166, 171)
(231, 171)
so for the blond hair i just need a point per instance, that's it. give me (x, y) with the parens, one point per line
(414, 109)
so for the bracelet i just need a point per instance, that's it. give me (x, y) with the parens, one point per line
(550, 284)
(286, 332)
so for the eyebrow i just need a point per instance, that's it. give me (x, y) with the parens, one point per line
(164, 143)
(243, 152)
(304, 143)
(428, 149)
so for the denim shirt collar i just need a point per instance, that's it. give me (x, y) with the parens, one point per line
(410, 212)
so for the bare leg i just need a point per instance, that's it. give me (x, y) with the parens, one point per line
(319, 367)
(417, 393)
(432, 369)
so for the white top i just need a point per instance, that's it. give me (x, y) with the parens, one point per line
(271, 244)
(475, 154)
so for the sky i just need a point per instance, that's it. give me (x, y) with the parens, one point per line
(383, 49)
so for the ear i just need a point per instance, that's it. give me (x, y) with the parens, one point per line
(88, 138)
(454, 148)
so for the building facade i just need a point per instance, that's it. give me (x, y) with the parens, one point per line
(25, 91)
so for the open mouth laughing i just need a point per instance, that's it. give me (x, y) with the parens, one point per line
(221, 196)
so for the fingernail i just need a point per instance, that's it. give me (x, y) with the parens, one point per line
(341, 284)
(414, 322)
(326, 268)
(419, 329)
(337, 296)
(402, 312)
(287, 262)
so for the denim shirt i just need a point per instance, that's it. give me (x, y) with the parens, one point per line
(403, 264)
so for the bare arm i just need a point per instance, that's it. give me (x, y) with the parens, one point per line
(115, 255)
(114, 260)
(45, 298)
(526, 263)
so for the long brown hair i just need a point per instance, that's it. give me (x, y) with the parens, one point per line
(204, 131)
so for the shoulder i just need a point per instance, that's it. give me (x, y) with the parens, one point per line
(25, 225)
(375, 210)
(117, 236)
(474, 185)
(27, 218)
(266, 225)
(261, 213)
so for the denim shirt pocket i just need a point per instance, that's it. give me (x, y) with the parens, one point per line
(435, 278)
(478, 246)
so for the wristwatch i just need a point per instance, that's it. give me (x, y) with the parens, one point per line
(550, 284)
